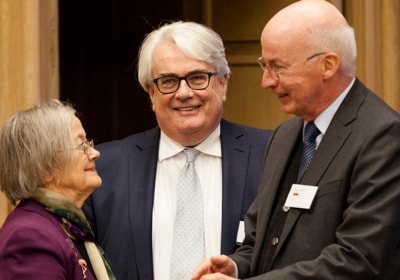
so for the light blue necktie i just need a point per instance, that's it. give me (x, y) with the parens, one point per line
(309, 145)
(188, 240)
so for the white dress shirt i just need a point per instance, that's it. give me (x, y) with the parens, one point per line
(208, 166)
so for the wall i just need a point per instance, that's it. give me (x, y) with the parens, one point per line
(28, 59)
(29, 53)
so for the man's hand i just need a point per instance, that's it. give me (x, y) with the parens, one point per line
(216, 268)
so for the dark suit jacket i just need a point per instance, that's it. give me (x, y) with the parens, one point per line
(352, 230)
(120, 211)
(33, 245)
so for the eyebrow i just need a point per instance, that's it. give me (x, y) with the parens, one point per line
(277, 62)
(80, 136)
(189, 73)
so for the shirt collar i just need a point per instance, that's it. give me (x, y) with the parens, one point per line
(211, 145)
(324, 119)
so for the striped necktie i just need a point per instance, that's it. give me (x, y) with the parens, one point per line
(309, 145)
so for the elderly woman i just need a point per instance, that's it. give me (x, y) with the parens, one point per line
(47, 166)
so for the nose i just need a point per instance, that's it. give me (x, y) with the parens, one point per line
(268, 80)
(93, 153)
(184, 90)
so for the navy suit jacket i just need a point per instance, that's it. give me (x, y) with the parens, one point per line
(120, 211)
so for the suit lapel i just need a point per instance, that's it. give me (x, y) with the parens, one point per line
(234, 152)
(335, 137)
(142, 164)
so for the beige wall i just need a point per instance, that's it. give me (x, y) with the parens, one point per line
(28, 58)
(377, 27)
(29, 54)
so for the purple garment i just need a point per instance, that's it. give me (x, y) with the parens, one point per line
(33, 245)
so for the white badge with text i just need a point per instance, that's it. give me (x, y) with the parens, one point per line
(240, 233)
(301, 196)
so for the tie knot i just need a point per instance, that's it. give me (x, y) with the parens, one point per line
(311, 132)
(191, 154)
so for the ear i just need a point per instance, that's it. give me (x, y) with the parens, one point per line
(223, 81)
(48, 178)
(331, 65)
(150, 92)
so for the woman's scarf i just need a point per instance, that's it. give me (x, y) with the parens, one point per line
(75, 223)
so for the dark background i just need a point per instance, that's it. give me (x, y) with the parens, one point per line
(99, 42)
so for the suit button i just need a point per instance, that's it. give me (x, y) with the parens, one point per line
(275, 241)
(285, 208)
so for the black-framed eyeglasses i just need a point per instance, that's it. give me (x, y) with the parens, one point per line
(274, 71)
(85, 146)
(196, 81)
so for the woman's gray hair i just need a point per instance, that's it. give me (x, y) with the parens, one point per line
(34, 143)
(193, 39)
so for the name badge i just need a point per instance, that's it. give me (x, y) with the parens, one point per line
(301, 196)
(240, 233)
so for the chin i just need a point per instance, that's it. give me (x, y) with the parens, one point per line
(96, 183)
